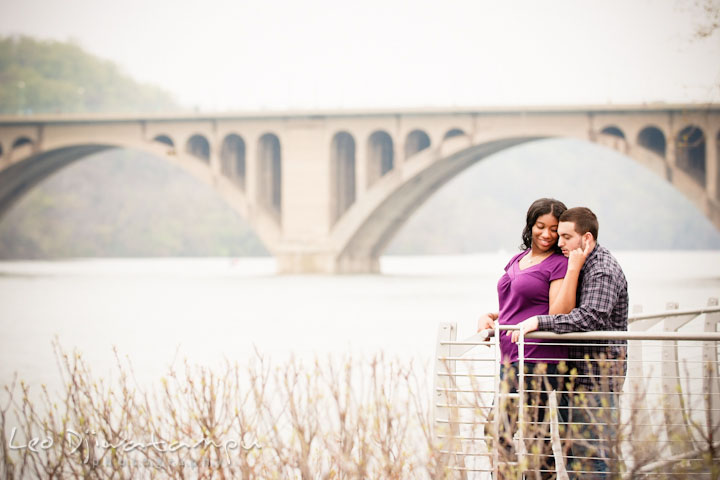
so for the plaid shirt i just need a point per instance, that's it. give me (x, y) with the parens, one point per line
(602, 305)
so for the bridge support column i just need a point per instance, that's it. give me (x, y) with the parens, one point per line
(712, 175)
(307, 262)
(360, 171)
(671, 159)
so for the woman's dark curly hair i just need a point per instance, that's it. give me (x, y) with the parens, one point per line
(539, 208)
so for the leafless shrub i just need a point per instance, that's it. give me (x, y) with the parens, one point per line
(326, 419)
(331, 419)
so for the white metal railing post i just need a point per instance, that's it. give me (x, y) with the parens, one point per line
(443, 384)
(711, 382)
(502, 397)
(521, 450)
(670, 370)
(496, 403)
(636, 371)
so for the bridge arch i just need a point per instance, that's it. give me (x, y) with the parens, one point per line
(198, 146)
(20, 177)
(364, 232)
(270, 174)
(416, 141)
(652, 138)
(232, 159)
(381, 154)
(21, 147)
(342, 174)
(690, 152)
(614, 131)
(25, 173)
(164, 139)
(454, 132)
(21, 141)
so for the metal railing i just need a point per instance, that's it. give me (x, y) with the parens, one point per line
(667, 416)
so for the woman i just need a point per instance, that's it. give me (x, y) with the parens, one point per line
(537, 281)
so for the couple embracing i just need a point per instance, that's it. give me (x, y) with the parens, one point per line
(564, 281)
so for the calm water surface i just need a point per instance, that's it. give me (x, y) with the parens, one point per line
(208, 310)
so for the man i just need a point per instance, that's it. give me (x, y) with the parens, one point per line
(598, 368)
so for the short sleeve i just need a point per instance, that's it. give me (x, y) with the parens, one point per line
(558, 268)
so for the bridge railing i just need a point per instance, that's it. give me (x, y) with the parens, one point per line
(667, 415)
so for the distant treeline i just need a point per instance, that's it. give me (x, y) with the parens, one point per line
(38, 76)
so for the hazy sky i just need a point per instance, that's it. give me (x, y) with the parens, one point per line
(227, 55)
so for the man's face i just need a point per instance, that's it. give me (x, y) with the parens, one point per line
(568, 238)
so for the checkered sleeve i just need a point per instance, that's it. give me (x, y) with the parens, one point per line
(599, 293)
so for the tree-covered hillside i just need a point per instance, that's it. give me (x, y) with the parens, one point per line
(117, 203)
(51, 77)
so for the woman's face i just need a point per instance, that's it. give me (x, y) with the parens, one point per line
(544, 232)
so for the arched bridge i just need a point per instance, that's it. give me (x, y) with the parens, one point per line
(326, 191)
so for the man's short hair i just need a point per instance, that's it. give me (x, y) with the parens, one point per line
(584, 220)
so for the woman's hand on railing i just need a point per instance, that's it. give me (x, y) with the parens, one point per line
(487, 321)
(526, 326)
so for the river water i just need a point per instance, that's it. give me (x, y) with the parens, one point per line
(207, 310)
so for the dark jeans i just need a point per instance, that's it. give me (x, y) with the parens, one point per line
(591, 419)
(539, 380)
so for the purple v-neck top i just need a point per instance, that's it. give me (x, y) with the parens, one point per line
(523, 294)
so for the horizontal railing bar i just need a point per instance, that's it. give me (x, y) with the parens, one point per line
(452, 405)
(648, 393)
(466, 469)
(621, 342)
(634, 409)
(556, 360)
(468, 422)
(620, 394)
(672, 313)
(600, 440)
(575, 392)
(686, 474)
(467, 372)
(448, 374)
(607, 335)
(632, 376)
(571, 377)
(458, 422)
(462, 437)
(546, 455)
(565, 440)
(464, 454)
(466, 359)
(455, 390)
